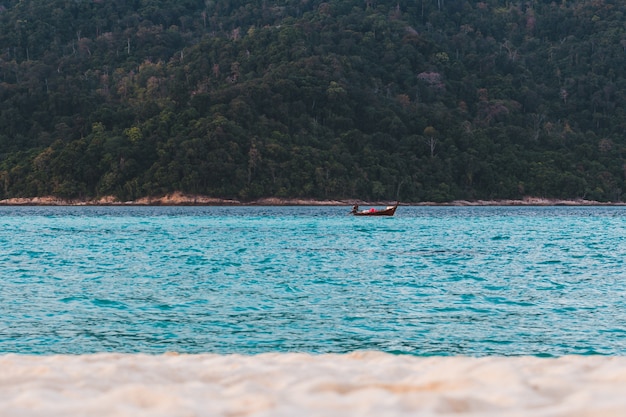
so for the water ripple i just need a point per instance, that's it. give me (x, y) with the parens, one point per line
(430, 281)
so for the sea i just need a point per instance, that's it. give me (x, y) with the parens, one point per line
(430, 281)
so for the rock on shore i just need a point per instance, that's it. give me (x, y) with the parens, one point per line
(181, 199)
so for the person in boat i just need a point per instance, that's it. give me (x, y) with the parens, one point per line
(355, 209)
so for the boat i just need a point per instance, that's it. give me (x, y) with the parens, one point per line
(387, 211)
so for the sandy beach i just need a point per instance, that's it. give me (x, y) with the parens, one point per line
(356, 384)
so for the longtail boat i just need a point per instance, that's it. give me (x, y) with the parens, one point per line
(387, 211)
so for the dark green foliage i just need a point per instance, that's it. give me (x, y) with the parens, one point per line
(411, 100)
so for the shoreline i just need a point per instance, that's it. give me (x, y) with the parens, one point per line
(287, 384)
(180, 199)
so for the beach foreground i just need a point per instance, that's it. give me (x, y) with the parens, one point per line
(357, 384)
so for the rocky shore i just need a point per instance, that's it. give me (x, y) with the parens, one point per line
(181, 199)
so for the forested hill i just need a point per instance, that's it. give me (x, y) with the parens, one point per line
(421, 100)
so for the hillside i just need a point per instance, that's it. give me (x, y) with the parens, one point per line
(425, 100)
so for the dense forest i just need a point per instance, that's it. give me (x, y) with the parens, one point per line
(420, 100)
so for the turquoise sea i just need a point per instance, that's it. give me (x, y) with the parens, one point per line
(546, 281)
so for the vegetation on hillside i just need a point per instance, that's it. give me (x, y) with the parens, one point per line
(421, 100)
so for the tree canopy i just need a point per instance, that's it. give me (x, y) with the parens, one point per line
(418, 100)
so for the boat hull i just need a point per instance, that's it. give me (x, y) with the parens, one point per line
(389, 211)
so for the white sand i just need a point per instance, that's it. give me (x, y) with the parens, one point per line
(358, 384)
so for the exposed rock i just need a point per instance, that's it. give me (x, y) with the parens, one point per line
(181, 199)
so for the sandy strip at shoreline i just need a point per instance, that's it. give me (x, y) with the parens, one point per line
(181, 199)
(357, 384)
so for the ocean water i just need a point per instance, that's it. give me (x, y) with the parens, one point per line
(545, 281)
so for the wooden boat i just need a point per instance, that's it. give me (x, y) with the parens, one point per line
(387, 211)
